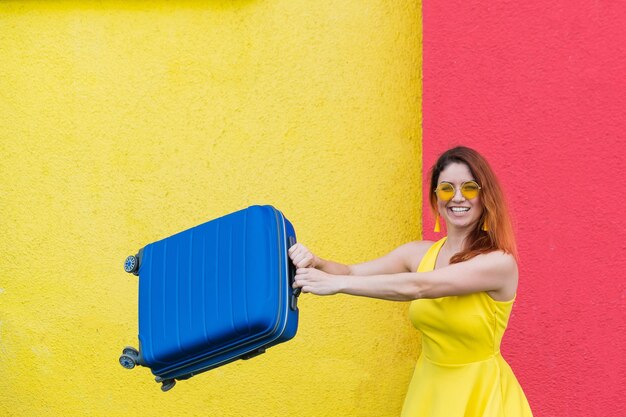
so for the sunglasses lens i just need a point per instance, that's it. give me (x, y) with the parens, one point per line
(470, 190)
(445, 191)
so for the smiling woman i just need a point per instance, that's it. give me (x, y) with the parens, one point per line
(459, 167)
(461, 289)
(459, 203)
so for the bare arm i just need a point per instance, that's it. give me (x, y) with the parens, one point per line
(333, 267)
(302, 257)
(405, 258)
(493, 272)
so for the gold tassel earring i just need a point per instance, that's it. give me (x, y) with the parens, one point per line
(437, 225)
(485, 227)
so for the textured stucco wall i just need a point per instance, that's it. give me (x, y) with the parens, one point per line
(540, 88)
(124, 122)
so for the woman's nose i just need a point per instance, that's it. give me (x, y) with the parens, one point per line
(458, 196)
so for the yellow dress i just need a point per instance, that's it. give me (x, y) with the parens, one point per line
(460, 372)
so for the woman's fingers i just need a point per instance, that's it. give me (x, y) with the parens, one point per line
(314, 281)
(298, 259)
(300, 256)
(295, 248)
(302, 284)
(304, 261)
(300, 278)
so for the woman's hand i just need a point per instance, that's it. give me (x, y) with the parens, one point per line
(317, 282)
(302, 257)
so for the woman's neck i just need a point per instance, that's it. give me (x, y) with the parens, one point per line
(456, 240)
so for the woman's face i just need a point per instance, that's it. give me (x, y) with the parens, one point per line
(459, 212)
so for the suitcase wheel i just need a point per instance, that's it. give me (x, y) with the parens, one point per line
(131, 264)
(131, 351)
(168, 384)
(128, 361)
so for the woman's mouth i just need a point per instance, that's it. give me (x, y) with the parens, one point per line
(458, 211)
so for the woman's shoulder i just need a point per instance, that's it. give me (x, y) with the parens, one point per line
(415, 252)
(417, 246)
(499, 256)
(422, 244)
(502, 267)
(499, 261)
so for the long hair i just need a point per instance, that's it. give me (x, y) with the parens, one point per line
(499, 234)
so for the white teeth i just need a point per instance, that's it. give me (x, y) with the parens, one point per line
(459, 209)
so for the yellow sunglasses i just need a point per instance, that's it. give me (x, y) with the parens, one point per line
(469, 189)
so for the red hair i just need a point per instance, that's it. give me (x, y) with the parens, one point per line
(499, 234)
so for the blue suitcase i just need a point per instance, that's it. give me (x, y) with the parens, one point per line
(213, 294)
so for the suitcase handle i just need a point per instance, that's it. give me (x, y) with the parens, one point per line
(295, 292)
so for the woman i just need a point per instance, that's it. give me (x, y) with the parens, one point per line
(461, 295)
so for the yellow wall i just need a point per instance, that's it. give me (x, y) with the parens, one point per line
(122, 122)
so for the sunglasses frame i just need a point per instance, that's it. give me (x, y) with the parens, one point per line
(461, 188)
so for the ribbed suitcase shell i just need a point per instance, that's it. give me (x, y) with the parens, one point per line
(216, 293)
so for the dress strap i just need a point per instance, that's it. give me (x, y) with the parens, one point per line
(428, 261)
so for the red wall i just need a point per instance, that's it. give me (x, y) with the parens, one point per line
(539, 87)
